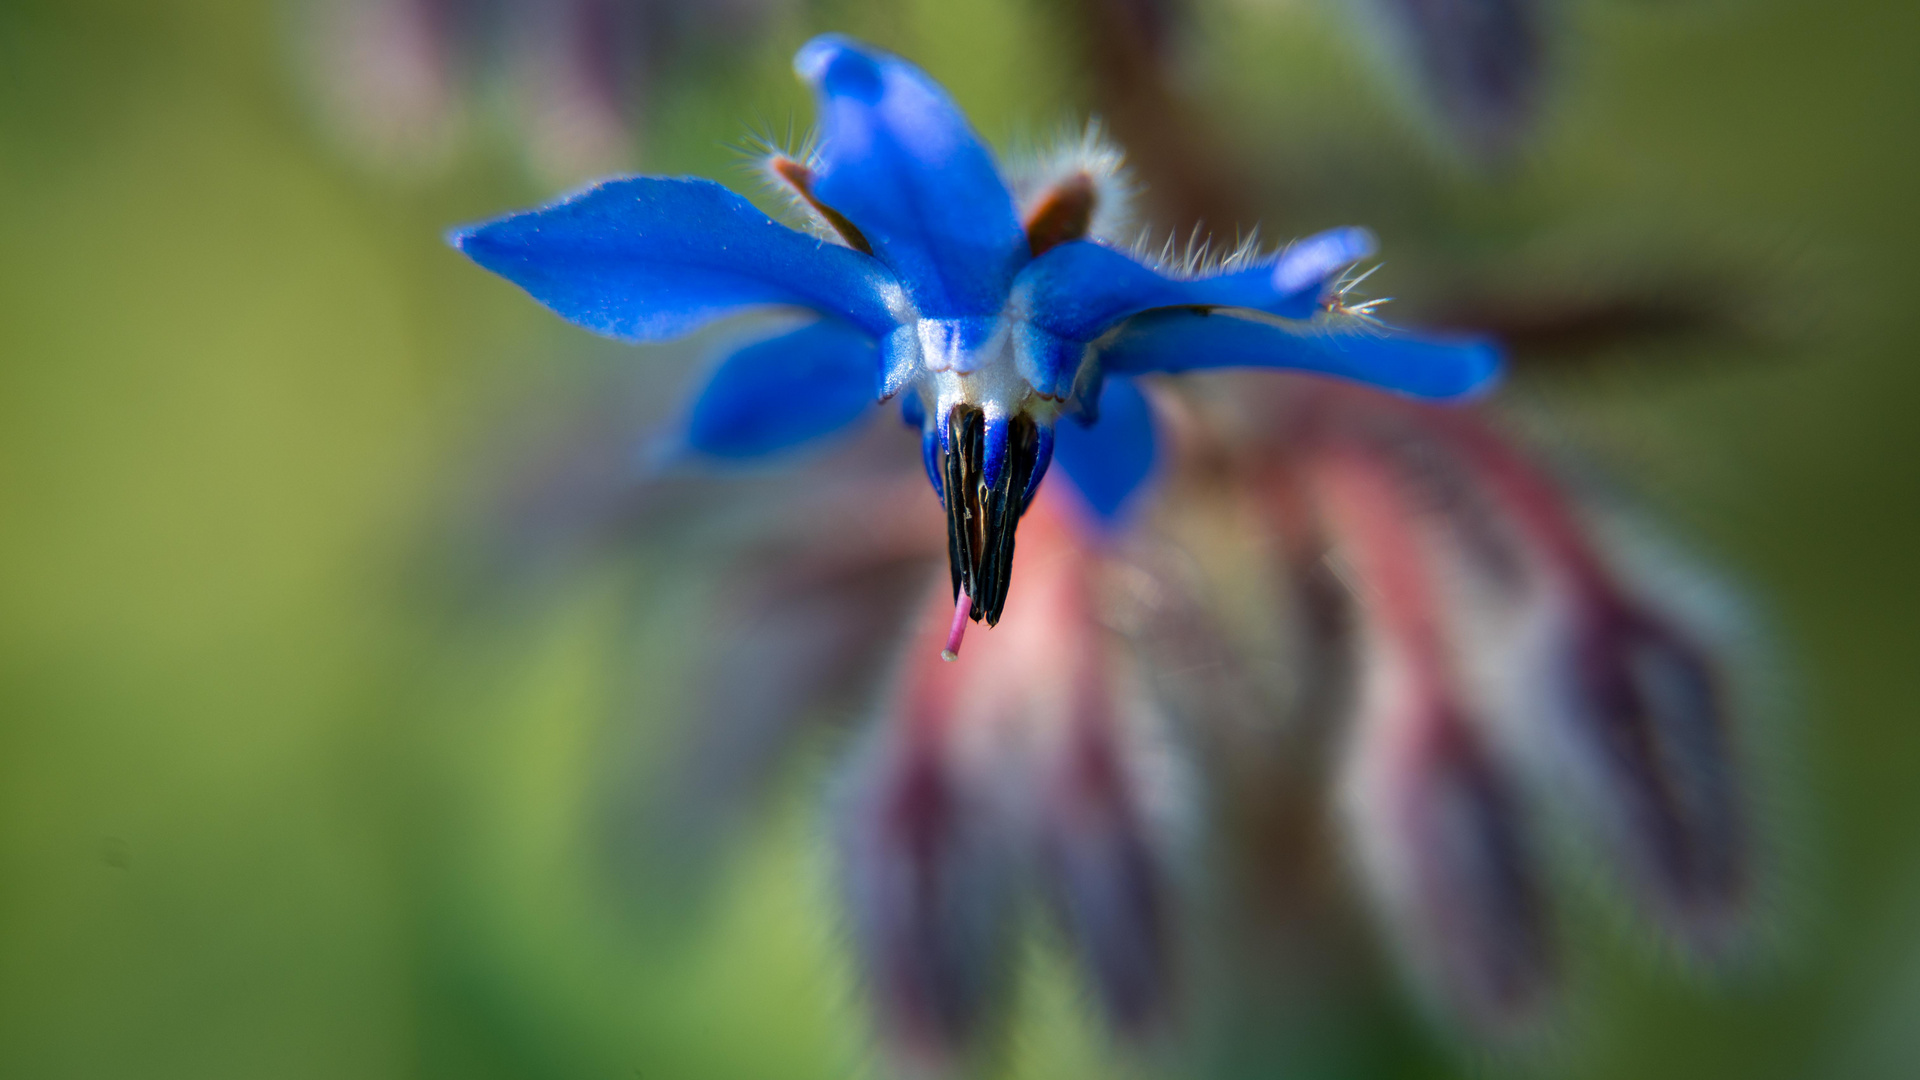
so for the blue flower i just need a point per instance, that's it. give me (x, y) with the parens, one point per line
(1010, 330)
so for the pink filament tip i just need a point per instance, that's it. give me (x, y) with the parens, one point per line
(961, 607)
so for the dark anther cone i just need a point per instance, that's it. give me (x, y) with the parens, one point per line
(986, 476)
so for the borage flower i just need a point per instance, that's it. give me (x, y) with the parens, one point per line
(1496, 658)
(930, 285)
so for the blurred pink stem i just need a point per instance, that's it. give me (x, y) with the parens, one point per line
(962, 606)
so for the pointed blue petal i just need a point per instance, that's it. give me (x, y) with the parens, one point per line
(651, 258)
(898, 158)
(1423, 366)
(1077, 291)
(1042, 458)
(784, 390)
(1108, 461)
(932, 458)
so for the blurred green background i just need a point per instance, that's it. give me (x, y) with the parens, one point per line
(269, 808)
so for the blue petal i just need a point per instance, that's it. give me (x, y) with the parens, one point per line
(1420, 366)
(1047, 361)
(1108, 461)
(650, 258)
(1311, 263)
(913, 411)
(932, 458)
(784, 390)
(1080, 289)
(899, 160)
(1042, 459)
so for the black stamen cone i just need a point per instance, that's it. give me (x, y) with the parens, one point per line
(981, 519)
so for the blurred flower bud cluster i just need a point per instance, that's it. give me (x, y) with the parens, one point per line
(402, 85)
(1357, 649)
(1481, 64)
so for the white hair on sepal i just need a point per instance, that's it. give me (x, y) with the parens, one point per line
(1079, 150)
(1198, 257)
(763, 142)
(1191, 258)
(1340, 300)
(1033, 173)
(762, 149)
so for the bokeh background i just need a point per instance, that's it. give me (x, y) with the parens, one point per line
(288, 788)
